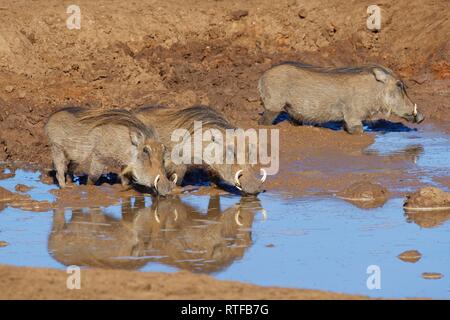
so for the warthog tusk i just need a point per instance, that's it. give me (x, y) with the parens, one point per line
(236, 218)
(175, 212)
(155, 213)
(264, 177)
(415, 110)
(156, 182)
(236, 179)
(175, 178)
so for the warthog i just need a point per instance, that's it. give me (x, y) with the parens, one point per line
(317, 94)
(95, 142)
(166, 120)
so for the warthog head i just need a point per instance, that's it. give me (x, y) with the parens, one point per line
(241, 174)
(394, 97)
(147, 167)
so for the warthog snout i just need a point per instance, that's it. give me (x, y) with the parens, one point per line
(163, 186)
(248, 183)
(416, 116)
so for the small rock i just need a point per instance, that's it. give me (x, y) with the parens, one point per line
(22, 94)
(252, 98)
(22, 188)
(270, 245)
(428, 198)
(302, 13)
(292, 3)
(411, 256)
(3, 244)
(432, 275)
(9, 89)
(365, 195)
(238, 14)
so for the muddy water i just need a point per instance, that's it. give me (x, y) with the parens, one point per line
(317, 242)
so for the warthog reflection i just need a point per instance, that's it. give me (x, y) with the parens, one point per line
(170, 232)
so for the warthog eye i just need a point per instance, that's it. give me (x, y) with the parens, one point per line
(401, 85)
(147, 150)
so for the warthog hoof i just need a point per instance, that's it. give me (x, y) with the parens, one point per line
(355, 129)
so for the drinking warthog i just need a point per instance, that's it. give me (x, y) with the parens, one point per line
(166, 120)
(317, 94)
(95, 142)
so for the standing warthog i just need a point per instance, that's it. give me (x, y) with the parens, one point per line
(95, 142)
(166, 120)
(316, 94)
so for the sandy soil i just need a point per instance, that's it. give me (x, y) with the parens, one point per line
(32, 283)
(211, 52)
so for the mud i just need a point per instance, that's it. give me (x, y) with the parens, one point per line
(179, 56)
(121, 284)
(365, 194)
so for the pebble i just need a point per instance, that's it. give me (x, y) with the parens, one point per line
(411, 256)
(302, 14)
(22, 188)
(432, 275)
(238, 14)
(9, 89)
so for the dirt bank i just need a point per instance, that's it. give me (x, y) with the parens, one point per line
(32, 283)
(179, 53)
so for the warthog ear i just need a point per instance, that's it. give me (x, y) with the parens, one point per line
(380, 75)
(136, 138)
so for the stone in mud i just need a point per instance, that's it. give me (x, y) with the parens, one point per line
(3, 244)
(238, 14)
(22, 94)
(48, 178)
(22, 188)
(302, 13)
(432, 275)
(6, 175)
(428, 199)
(365, 195)
(9, 89)
(411, 256)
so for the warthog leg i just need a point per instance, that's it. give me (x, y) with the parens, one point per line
(356, 129)
(352, 120)
(60, 163)
(95, 171)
